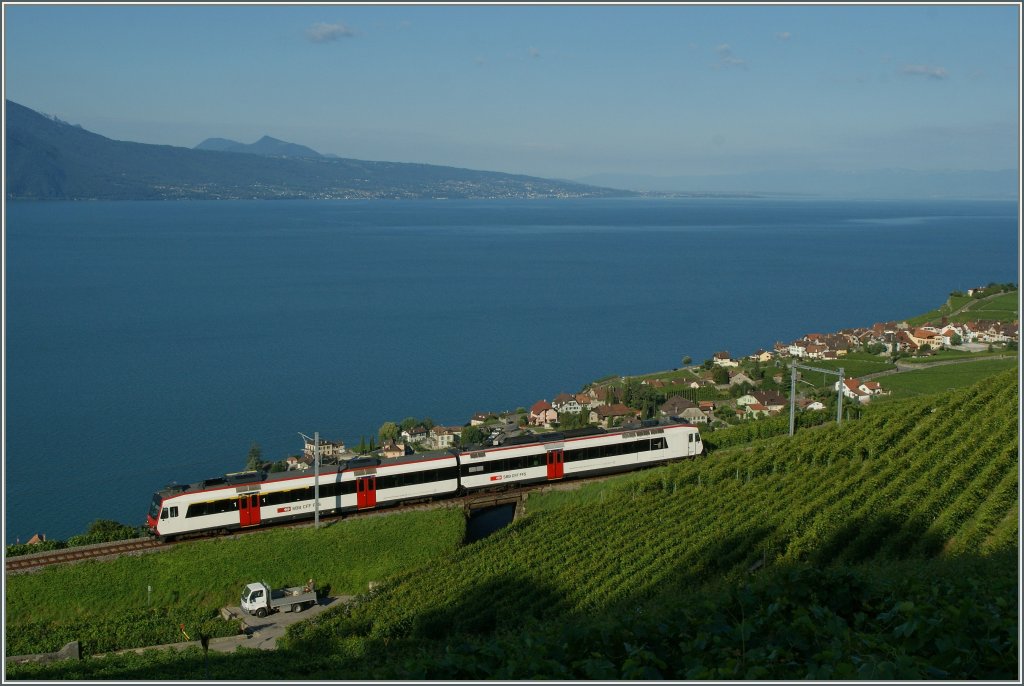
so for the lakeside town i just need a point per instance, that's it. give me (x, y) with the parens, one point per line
(723, 390)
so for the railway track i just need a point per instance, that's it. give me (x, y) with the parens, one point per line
(33, 561)
(36, 561)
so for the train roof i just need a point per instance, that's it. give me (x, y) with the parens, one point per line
(238, 478)
(500, 439)
(527, 438)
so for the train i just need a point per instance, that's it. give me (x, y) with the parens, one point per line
(251, 499)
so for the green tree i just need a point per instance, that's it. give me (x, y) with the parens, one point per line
(687, 360)
(390, 431)
(955, 339)
(471, 435)
(720, 376)
(255, 458)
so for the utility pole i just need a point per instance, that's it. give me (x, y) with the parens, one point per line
(316, 476)
(792, 392)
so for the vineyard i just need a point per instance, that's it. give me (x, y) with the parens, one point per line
(885, 548)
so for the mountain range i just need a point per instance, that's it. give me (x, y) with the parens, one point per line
(49, 159)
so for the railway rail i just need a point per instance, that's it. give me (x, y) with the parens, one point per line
(36, 561)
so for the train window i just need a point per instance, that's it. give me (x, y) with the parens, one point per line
(659, 444)
(643, 446)
(174, 511)
(195, 510)
(475, 468)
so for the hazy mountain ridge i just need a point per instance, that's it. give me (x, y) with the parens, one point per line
(49, 159)
(264, 146)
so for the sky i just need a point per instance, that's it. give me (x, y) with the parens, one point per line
(547, 90)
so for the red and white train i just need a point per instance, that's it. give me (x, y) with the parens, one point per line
(250, 499)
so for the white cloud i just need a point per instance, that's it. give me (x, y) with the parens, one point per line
(726, 58)
(325, 33)
(784, 35)
(534, 52)
(928, 70)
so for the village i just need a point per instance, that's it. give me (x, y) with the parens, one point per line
(722, 391)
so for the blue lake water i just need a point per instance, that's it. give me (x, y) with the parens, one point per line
(155, 341)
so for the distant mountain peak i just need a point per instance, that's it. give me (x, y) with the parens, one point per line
(51, 160)
(267, 145)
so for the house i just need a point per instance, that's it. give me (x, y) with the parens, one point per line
(798, 348)
(754, 411)
(607, 414)
(815, 350)
(807, 404)
(442, 437)
(328, 449)
(770, 399)
(723, 359)
(694, 415)
(924, 337)
(871, 388)
(598, 396)
(674, 406)
(564, 402)
(298, 462)
(36, 538)
(542, 413)
(747, 399)
(479, 418)
(738, 377)
(393, 449)
(762, 356)
(585, 401)
(852, 390)
(416, 434)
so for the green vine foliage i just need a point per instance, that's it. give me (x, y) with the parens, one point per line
(882, 549)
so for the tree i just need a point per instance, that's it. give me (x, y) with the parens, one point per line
(255, 457)
(687, 360)
(471, 435)
(408, 423)
(955, 339)
(389, 431)
(720, 376)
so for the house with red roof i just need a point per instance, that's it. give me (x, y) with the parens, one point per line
(543, 414)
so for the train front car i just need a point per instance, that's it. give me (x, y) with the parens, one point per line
(153, 516)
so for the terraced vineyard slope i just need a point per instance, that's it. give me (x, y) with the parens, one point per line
(882, 549)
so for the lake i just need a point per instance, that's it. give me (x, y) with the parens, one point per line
(149, 342)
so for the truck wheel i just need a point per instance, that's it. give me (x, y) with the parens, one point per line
(261, 613)
(297, 607)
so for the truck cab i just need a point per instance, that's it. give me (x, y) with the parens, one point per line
(260, 600)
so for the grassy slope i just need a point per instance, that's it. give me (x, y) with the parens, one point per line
(91, 600)
(885, 548)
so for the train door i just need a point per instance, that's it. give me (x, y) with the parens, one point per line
(691, 443)
(249, 510)
(556, 464)
(366, 492)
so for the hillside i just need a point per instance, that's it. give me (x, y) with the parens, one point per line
(885, 548)
(48, 159)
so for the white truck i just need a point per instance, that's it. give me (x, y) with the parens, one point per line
(260, 600)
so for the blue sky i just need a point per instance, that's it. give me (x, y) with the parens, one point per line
(548, 90)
